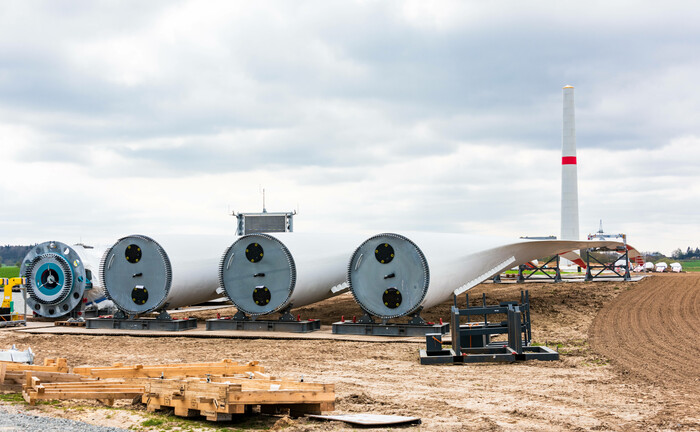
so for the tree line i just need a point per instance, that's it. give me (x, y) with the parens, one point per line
(13, 255)
(690, 253)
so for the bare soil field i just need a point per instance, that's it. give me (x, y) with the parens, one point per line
(653, 333)
(629, 362)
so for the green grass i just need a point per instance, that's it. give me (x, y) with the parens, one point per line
(153, 422)
(12, 397)
(693, 266)
(9, 271)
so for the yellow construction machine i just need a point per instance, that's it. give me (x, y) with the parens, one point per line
(7, 312)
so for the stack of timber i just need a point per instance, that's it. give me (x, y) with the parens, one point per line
(13, 375)
(213, 390)
(226, 367)
(104, 391)
(218, 399)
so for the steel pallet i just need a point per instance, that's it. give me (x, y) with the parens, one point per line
(302, 326)
(490, 354)
(142, 324)
(388, 329)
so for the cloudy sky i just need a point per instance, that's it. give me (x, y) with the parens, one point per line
(123, 117)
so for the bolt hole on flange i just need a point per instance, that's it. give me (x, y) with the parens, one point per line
(384, 253)
(139, 295)
(261, 296)
(392, 298)
(254, 252)
(133, 253)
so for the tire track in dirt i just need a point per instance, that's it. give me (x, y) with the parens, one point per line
(652, 331)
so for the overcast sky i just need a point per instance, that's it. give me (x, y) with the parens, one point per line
(147, 117)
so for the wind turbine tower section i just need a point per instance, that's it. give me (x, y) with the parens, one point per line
(569, 180)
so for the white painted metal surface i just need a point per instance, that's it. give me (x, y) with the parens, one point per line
(297, 269)
(171, 271)
(569, 180)
(426, 268)
(91, 257)
(661, 267)
(676, 267)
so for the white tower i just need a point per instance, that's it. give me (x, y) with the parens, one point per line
(569, 181)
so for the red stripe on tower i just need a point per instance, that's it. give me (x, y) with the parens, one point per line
(568, 160)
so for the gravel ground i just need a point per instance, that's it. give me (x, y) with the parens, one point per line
(21, 422)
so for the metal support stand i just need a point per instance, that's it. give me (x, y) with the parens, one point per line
(240, 316)
(287, 315)
(76, 315)
(541, 269)
(416, 326)
(497, 278)
(471, 342)
(606, 266)
(286, 323)
(416, 319)
(366, 319)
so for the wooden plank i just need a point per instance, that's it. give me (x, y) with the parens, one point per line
(15, 380)
(169, 370)
(28, 379)
(84, 395)
(261, 375)
(280, 397)
(89, 385)
(70, 323)
(123, 389)
(24, 367)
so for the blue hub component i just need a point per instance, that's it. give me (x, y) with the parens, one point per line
(56, 279)
(50, 278)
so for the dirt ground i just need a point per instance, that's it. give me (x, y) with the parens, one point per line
(629, 362)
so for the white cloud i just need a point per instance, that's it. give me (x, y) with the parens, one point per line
(128, 117)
